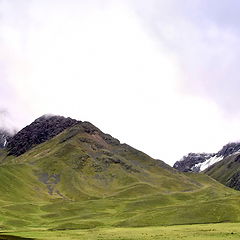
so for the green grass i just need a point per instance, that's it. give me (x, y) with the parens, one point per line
(153, 210)
(222, 231)
(81, 184)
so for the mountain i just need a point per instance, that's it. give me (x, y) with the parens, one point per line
(84, 152)
(59, 174)
(198, 162)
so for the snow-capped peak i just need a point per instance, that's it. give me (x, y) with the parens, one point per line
(197, 162)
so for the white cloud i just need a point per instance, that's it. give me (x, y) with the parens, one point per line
(99, 62)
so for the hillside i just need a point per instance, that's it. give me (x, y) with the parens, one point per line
(227, 171)
(84, 178)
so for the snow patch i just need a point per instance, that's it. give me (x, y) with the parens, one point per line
(209, 162)
(5, 143)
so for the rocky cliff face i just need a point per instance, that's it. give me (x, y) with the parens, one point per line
(229, 149)
(190, 162)
(41, 130)
(4, 138)
(197, 162)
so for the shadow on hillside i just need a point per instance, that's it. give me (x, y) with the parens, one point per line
(9, 237)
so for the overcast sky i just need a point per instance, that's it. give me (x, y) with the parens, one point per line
(160, 75)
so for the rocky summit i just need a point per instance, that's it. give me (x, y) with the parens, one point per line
(41, 130)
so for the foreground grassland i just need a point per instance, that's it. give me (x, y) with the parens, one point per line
(220, 231)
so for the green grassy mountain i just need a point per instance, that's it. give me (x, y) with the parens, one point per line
(83, 178)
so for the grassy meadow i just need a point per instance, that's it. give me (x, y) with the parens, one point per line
(220, 231)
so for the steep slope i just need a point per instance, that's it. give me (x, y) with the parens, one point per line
(227, 171)
(84, 178)
(85, 163)
(198, 162)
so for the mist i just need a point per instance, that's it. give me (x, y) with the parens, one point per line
(160, 76)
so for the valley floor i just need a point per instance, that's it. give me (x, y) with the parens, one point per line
(219, 231)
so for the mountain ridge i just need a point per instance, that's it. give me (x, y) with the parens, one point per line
(196, 162)
(223, 166)
(42, 129)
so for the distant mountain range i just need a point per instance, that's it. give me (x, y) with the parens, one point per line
(222, 165)
(197, 162)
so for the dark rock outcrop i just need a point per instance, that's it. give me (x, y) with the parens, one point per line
(47, 127)
(229, 149)
(41, 130)
(5, 137)
(188, 163)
